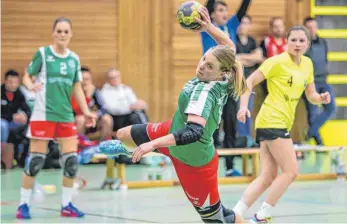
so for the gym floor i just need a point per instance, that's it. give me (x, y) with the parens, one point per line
(304, 202)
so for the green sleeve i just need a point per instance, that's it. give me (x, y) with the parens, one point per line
(78, 74)
(35, 64)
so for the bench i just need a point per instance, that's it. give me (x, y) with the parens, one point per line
(246, 154)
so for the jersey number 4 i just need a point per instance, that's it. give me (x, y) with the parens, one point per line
(290, 81)
(63, 68)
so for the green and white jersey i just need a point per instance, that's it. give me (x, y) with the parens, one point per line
(205, 99)
(57, 74)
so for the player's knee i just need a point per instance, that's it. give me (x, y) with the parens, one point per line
(70, 164)
(34, 163)
(216, 214)
(124, 133)
(293, 174)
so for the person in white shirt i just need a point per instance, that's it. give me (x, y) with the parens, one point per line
(121, 102)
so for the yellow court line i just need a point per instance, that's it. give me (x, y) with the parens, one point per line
(329, 10)
(337, 79)
(326, 33)
(337, 56)
(341, 101)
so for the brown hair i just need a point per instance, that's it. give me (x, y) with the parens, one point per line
(302, 28)
(61, 19)
(233, 69)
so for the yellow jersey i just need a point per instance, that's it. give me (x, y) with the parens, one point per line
(286, 81)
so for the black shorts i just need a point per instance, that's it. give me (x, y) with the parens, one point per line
(263, 134)
(139, 134)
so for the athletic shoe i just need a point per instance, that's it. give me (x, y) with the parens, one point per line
(23, 212)
(71, 211)
(255, 220)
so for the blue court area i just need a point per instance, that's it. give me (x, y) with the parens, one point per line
(321, 201)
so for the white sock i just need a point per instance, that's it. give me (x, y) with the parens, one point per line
(265, 211)
(25, 195)
(67, 196)
(240, 208)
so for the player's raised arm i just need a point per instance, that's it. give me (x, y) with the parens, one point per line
(220, 37)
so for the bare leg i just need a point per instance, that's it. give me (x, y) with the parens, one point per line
(261, 183)
(68, 146)
(283, 152)
(36, 146)
(124, 135)
(38, 151)
(70, 166)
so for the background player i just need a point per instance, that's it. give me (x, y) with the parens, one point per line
(288, 75)
(187, 140)
(58, 74)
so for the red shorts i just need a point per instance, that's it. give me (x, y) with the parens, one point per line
(200, 184)
(51, 130)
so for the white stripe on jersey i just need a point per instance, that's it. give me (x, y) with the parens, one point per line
(39, 111)
(73, 54)
(197, 106)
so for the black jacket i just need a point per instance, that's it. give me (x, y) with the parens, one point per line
(8, 108)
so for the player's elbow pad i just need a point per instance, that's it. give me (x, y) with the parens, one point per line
(192, 132)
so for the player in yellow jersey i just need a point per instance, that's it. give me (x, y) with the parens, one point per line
(288, 76)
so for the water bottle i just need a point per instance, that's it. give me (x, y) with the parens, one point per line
(340, 167)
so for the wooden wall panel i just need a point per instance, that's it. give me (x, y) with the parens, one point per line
(27, 25)
(145, 53)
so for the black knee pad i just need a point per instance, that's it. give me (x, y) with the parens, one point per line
(216, 214)
(70, 164)
(34, 163)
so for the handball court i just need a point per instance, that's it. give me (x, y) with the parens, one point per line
(304, 202)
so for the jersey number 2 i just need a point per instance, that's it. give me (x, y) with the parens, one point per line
(290, 81)
(63, 68)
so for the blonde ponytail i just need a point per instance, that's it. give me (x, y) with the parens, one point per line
(237, 82)
(232, 68)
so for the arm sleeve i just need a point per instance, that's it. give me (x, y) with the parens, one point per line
(201, 101)
(241, 12)
(35, 64)
(210, 6)
(267, 66)
(78, 74)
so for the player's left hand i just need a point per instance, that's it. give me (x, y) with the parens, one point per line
(90, 118)
(325, 97)
(142, 150)
(205, 20)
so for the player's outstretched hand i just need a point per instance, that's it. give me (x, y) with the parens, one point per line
(142, 150)
(90, 118)
(205, 20)
(325, 97)
(241, 115)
